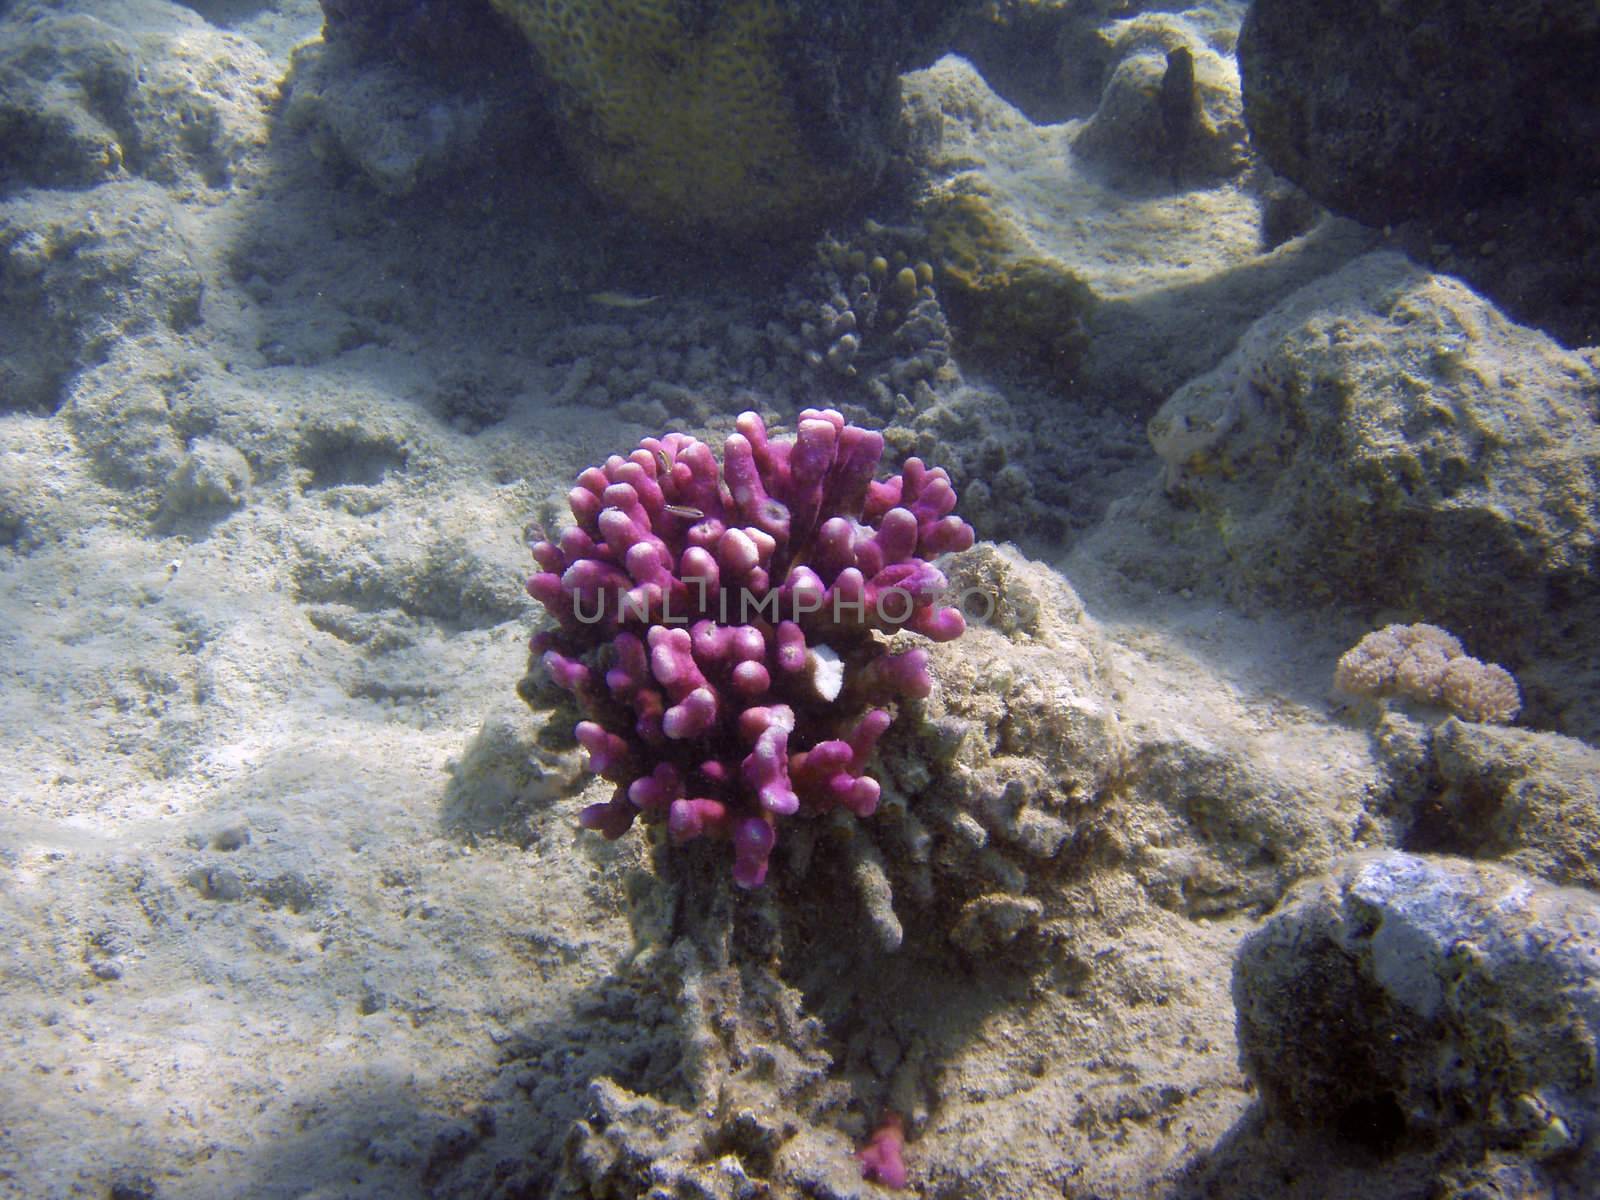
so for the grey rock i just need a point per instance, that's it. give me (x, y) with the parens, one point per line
(1386, 436)
(1526, 798)
(212, 478)
(1434, 1001)
(77, 272)
(148, 90)
(398, 129)
(1035, 229)
(1477, 119)
(120, 414)
(506, 780)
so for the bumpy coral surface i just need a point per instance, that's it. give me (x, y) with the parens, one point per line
(1427, 664)
(725, 627)
(880, 325)
(684, 119)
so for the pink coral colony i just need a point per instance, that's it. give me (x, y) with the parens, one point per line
(719, 626)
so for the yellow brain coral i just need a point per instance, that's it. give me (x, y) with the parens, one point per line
(687, 123)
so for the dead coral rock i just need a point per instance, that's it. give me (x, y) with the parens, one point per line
(988, 924)
(1053, 753)
(79, 273)
(1130, 130)
(1217, 829)
(121, 415)
(508, 776)
(398, 128)
(1452, 1003)
(1024, 717)
(1039, 232)
(1528, 799)
(1385, 436)
(84, 99)
(750, 1104)
(212, 479)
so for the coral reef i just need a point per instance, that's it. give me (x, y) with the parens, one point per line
(720, 625)
(269, 437)
(1426, 664)
(1046, 847)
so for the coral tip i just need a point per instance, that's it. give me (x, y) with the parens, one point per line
(883, 1157)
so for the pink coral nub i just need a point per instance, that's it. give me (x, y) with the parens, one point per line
(882, 1159)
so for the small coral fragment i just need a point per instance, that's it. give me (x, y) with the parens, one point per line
(883, 1157)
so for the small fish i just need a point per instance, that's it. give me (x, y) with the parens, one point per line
(620, 300)
(663, 464)
(685, 511)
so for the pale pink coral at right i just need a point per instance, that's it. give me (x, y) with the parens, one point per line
(1478, 691)
(1426, 664)
(1419, 671)
(1367, 668)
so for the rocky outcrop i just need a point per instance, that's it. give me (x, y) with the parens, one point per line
(1473, 121)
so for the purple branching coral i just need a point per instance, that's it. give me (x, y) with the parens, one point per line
(722, 627)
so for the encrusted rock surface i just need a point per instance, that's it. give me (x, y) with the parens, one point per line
(88, 97)
(1070, 249)
(1525, 798)
(81, 272)
(1412, 1002)
(1387, 437)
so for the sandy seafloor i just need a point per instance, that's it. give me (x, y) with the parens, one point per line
(266, 471)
